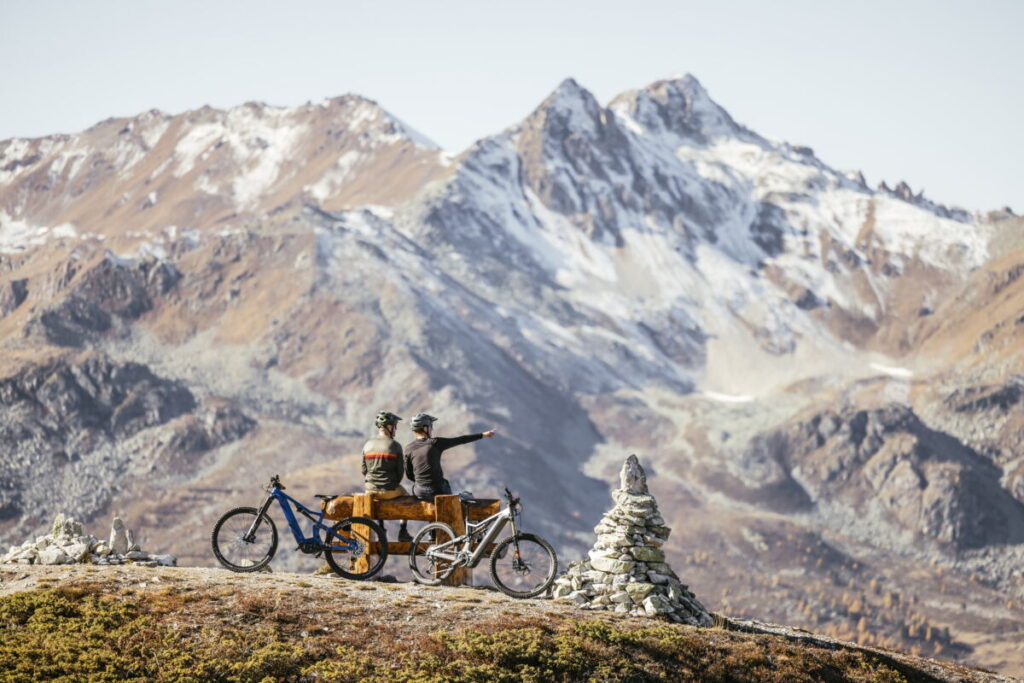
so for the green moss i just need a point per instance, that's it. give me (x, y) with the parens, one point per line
(75, 634)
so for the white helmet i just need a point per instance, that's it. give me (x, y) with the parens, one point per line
(421, 420)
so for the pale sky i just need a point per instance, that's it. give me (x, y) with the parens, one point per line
(931, 92)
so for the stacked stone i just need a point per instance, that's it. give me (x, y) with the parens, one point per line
(626, 570)
(67, 544)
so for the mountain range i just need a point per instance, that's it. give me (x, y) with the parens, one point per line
(824, 378)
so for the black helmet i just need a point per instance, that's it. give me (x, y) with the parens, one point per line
(421, 420)
(385, 418)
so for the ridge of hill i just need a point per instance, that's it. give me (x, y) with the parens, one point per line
(201, 624)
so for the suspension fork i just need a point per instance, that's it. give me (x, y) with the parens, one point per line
(259, 516)
(517, 560)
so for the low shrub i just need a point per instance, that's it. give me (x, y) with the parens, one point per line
(77, 634)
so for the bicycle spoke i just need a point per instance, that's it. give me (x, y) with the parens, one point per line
(363, 551)
(524, 568)
(234, 550)
(438, 559)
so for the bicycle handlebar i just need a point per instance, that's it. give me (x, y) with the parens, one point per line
(275, 483)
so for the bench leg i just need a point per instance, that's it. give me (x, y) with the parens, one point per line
(448, 509)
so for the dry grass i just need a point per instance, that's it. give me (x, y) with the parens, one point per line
(237, 629)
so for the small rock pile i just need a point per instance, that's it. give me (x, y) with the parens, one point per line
(626, 571)
(67, 544)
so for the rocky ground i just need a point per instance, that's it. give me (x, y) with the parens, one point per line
(210, 624)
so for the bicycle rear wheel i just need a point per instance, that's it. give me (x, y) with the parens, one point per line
(523, 566)
(429, 567)
(369, 553)
(235, 549)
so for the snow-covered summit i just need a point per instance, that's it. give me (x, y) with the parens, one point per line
(680, 107)
(660, 214)
(206, 166)
(659, 207)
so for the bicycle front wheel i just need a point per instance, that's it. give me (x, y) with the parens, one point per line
(356, 548)
(523, 566)
(238, 549)
(432, 557)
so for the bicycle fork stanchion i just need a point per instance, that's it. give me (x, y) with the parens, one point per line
(448, 509)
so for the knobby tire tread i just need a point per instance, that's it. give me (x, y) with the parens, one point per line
(416, 574)
(238, 568)
(382, 541)
(497, 554)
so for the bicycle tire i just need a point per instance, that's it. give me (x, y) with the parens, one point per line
(543, 549)
(219, 545)
(378, 538)
(426, 574)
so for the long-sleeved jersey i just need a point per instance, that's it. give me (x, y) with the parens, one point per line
(382, 464)
(423, 461)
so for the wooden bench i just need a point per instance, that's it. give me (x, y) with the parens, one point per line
(447, 509)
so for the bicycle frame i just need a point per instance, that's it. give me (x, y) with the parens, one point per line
(463, 557)
(286, 501)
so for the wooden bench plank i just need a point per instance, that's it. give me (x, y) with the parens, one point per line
(407, 507)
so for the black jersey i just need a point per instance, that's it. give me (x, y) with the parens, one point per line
(423, 461)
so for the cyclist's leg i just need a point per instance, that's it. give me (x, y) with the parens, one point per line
(397, 492)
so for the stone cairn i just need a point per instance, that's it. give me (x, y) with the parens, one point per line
(67, 544)
(626, 570)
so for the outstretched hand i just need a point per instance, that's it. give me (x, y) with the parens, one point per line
(488, 434)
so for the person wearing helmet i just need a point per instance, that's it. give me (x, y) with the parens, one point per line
(423, 457)
(382, 465)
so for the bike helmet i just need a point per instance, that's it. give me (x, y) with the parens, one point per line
(385, 418)
(421, 420)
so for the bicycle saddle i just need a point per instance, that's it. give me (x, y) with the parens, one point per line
(324, 496)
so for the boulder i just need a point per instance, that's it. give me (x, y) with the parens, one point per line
(66, 544)
(119, 542)
(53, 555)
(632, 478)
(638, 591)
(78, 552)
(647, 554)
(606, 564)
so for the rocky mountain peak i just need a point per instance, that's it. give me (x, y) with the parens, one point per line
(679, 106)
(569, 107)
(903, 192)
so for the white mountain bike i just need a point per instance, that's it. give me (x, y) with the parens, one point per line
(522, 565)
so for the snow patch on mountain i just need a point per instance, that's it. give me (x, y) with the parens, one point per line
(943, 242)
(892, 371)
(727, 398)
(18, 235)
(333, 179)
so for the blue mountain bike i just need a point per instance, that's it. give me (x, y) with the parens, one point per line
(245, 539)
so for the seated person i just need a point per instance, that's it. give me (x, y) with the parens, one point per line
(382, 465)
(423, 457)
